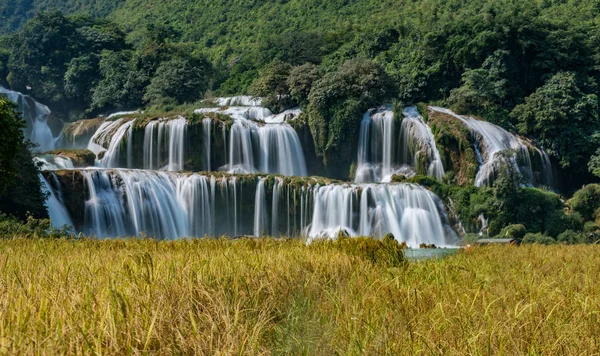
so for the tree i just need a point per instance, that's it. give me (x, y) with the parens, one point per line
(180, 80)
(122, 84)
(594, 164)
(337, 103)
(301, 80)
(484, 89)
(563, 118)
(20, 187)
(272, 86)
(81, 77)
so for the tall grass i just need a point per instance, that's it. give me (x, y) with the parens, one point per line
(281, 296)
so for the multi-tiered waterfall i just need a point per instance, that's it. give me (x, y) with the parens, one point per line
(383, 150)
(254, 180)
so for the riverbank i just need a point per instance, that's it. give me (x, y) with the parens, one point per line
(278, 296)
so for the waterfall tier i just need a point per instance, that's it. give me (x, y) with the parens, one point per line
(211, 140)
(110, 203)
(490, 141)
(384, 149)
(36, 116)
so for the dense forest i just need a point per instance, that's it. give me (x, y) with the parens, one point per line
(532, 67)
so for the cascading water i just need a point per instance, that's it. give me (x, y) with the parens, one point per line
(491, 141)
(417, 144)
(36, 116)
(379, 155)
(171, 205)
(53, 162)
(56, 209)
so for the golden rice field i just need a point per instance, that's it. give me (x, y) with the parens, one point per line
(284, 297)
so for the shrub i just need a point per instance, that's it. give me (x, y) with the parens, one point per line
(538, 238)
(514, 231)
(570, 237)
(586, 201)
(32, 228)
(590, 226)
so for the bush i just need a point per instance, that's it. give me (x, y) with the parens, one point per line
(514, 231)
(586, 201)
(590, 226)
(570, 237)
(32, 228)
(538, 238)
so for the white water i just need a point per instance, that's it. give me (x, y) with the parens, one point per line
(381, 154)
(172, 205)
(36, 116)
(53, 162)
(490, 142)
(56, 209)
(243, 100)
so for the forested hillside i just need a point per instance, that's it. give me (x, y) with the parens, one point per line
(530, 66)
(14, 13)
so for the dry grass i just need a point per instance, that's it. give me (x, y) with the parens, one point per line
(273, 297)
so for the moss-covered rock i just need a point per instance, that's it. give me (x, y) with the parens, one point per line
(455, 142)
(78, 134)
(79, 157)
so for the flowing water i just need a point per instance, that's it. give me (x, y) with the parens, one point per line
(491, 141)
(384, 152)
(173, 205)
(36, 116)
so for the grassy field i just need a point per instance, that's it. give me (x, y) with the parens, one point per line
(279, 296)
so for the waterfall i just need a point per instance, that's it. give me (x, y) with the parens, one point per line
(112, 156)
(250, 146)
(490, 141)
(266, 148)
(56, 209)
(173, 205)
(243, 100)
(36, 116)
(53, 162)
(381, 155)
(260, 212)
(280, 151)
(417, 144)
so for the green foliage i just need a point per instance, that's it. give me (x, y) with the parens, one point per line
(272, 86)
(590, 227)
(538, 238)
(11, 227)
(20, 187)
(586, 201)
(122, 84)
(484, 90)
(514, 231)
(594, 163)
(337, 102)
(57, 57)
(570, 237)
(301, 80)
(563, 118)
(15, 13)
(179, 80)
